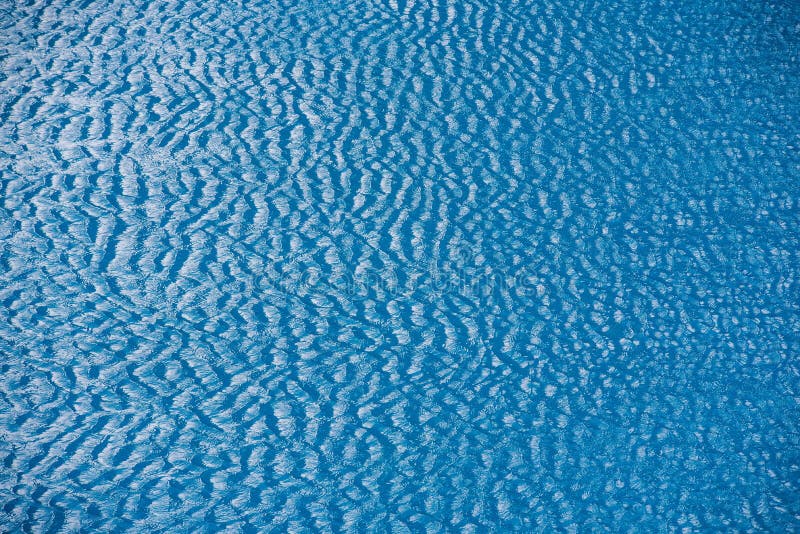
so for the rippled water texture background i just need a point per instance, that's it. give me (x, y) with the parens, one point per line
(401, 266)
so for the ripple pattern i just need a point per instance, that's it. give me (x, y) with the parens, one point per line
(399, 266)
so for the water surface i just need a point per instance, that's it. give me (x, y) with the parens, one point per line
(399, 266)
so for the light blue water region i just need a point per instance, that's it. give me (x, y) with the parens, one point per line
(399, 266)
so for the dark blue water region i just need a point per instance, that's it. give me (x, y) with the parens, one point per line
(399, 266)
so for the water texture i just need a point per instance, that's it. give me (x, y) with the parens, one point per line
(455, 265)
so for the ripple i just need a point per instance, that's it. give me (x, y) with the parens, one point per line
(407, 266)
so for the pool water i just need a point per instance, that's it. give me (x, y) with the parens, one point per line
(399, 266)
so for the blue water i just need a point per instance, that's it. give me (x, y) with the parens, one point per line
(401, 266)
